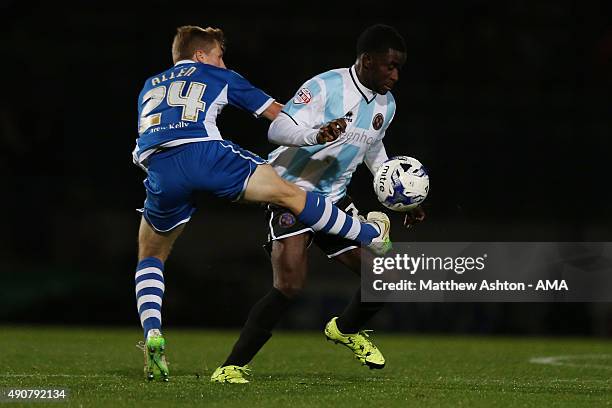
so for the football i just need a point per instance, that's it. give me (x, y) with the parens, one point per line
(401, 183)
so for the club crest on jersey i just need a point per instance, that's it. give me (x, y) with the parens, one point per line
(378, 120)
(302, 97)
(286, 220)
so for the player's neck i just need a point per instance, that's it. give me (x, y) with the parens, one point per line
(361, 77)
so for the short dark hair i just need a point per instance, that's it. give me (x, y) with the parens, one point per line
(379, 38)
(189, 39)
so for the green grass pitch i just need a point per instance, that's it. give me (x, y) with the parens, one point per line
(102, 367)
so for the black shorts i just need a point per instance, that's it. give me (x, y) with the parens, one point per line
(282, 223)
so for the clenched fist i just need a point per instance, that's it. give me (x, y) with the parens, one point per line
(331, 131)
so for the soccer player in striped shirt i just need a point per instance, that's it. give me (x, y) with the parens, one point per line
(182, 151)
(359, 100)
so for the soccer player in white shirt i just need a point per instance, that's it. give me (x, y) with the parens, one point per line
(358, 101)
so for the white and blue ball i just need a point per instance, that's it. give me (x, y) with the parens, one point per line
(401, 183)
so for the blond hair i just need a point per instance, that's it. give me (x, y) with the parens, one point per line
(189, 39)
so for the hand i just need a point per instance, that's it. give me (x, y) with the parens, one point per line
(331, 131)
(414, 216)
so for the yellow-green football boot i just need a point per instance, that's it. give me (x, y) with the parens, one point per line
(232, 374)
(359, 343)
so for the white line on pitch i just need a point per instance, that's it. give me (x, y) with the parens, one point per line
(567, 360)
(78, 375)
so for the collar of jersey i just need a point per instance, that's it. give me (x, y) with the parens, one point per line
(367, 93)
(185, 61)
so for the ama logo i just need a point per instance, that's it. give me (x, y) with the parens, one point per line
(552, 285)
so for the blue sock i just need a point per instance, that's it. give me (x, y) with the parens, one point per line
(149, 293)
(321, 215)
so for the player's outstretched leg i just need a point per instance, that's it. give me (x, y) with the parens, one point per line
(315, 210)
(153, 250)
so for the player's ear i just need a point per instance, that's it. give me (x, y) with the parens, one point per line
(201, 56)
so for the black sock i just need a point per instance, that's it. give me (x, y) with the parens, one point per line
(357, 314)
(257, 330)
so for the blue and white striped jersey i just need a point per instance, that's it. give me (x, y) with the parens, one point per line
(327, 169)
(181, 104)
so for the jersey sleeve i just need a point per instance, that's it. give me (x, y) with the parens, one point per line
(285, 131)
(307, 106)
(243, 94)
(376, 155)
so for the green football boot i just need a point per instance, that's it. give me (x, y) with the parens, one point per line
(359, 343)
(232, 374)
(156, 366)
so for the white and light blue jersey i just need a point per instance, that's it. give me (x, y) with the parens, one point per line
(327, 169)
(181, 105)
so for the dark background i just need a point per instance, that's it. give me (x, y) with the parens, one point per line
(506, 103)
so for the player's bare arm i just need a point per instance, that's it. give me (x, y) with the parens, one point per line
(272, 111)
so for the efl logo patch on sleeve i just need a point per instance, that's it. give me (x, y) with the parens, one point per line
(302, 97)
